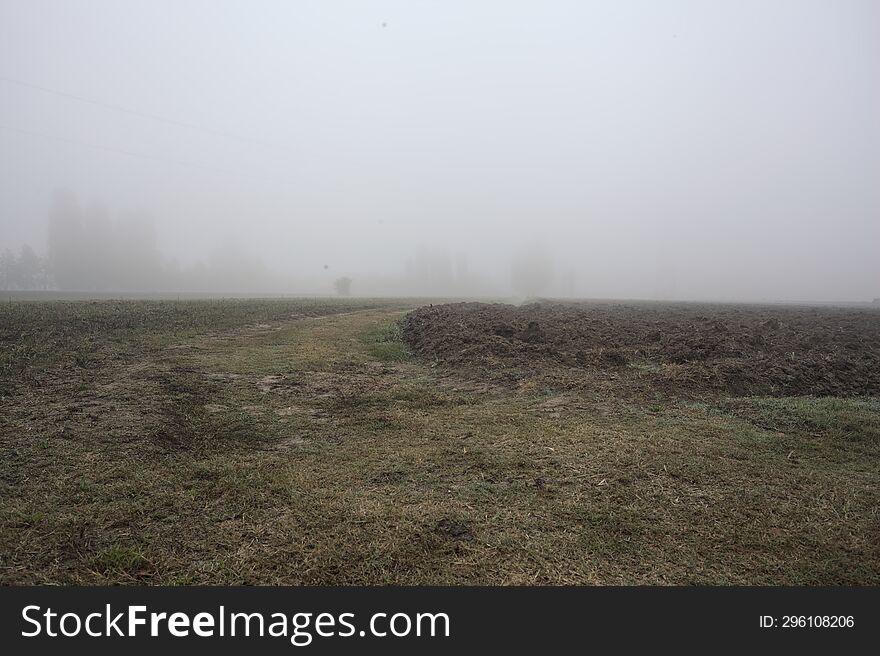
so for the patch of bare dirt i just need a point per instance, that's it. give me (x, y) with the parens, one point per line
(454, 530)
(291, 442)
(324, 384)
(681, 349)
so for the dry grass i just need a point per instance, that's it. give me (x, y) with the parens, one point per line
(298, 443)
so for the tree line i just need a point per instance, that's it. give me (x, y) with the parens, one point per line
(88, 250)
(24, 270)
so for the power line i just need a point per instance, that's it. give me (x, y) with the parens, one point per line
(133, 112)
(130, 153)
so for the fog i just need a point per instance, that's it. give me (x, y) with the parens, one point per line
(657, 150)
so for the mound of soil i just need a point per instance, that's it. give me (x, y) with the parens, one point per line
(681, 349)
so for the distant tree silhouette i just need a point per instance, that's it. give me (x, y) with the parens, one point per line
(93, 250)
(343, 286)
(7, 265)
(27, 269)
(66, 241)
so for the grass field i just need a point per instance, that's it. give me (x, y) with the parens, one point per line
(300, 442)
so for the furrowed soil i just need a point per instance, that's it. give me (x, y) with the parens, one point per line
(674, 350)
(370, 442)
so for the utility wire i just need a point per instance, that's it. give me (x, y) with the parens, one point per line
(133, 112)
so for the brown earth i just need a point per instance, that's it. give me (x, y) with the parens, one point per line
(670, 350)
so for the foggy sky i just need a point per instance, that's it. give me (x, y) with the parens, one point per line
(689, 150)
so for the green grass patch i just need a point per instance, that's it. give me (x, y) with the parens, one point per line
(850, 420)
(385, 343)
(120, 559)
